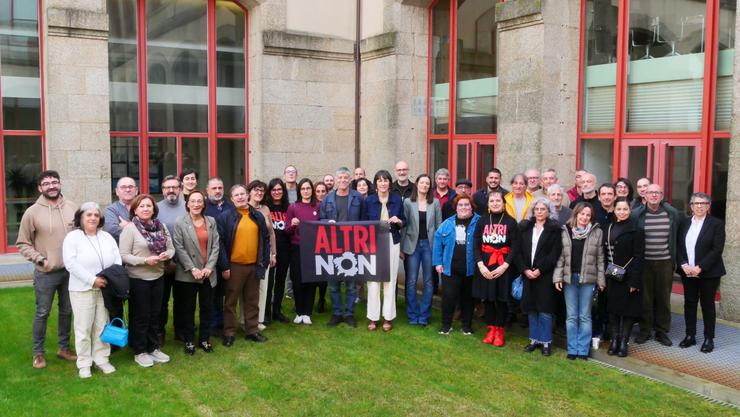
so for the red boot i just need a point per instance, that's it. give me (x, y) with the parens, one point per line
(490, 336)
(498, 340)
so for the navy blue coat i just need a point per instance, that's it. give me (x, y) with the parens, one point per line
(395, 208)
(329, 211)
(227, 224)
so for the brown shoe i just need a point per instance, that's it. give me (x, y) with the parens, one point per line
(387, 326)
(66, 355)
(39, 361)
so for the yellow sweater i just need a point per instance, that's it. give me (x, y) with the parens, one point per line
(244, 249)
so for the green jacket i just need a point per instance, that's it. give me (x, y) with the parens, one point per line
(675, 218)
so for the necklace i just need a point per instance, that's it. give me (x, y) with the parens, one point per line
(98, 249)
(490, 218)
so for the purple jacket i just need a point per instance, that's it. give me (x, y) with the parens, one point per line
(302, 211)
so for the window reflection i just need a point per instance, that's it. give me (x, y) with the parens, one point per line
(122, 75)
(162, 162)
(230, 68)
(440, 93)
(19, 65)
(124, 160)
(600, 73)
(232, 161)
(177, 87)
(725, 64)
(22, 165)
(477, 85)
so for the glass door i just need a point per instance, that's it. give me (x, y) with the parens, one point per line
(472, 159)
(673, 163)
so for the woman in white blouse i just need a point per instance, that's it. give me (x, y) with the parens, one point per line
(87, 250)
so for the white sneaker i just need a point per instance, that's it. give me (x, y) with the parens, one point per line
(107, 368)
(85, 372)
(261, 327)
(144, 360)
(307, 320)
(298, 319)
(158, 356)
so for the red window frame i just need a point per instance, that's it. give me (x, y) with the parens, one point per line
(4, 246)
(451, 136)
(707, 134)
(212, 134)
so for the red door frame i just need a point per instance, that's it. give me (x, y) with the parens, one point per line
(212, 135)
(472, 148)
(452, 136)
(41, 133)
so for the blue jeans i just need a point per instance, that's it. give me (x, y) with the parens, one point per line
(578, 322)
(419, 313)
(335, 295)
(540, 327)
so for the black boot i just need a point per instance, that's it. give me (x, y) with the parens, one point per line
(623, 347)
(615, 336)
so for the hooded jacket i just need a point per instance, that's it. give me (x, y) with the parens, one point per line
(42, 231)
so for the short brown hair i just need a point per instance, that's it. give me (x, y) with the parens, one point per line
(196, 191)
(463, 197)
(137, 200)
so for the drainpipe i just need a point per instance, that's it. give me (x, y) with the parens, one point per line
(358, 67)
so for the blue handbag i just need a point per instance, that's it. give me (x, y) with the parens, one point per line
(517, 286)
(115, 335)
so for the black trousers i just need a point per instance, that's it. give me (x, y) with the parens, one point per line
(186, 294)
(145, 302)
(496, 312)
(457, 289)
(303, 294)
(164, 313)
(217, 303)
(276, 283)
(700, 290)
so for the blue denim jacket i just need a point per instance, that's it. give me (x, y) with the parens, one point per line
(328, 209)
(444, 245)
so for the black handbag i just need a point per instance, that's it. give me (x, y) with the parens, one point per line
(614, 271)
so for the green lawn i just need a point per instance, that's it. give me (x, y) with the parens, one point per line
(316, 371)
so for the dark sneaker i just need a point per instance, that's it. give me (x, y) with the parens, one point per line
(334, 320)
(351, 322)
(467, 331)
(256, 337)
(642, 338)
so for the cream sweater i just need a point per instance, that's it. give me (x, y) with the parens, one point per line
(134, 252)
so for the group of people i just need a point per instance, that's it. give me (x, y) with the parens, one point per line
(229, 258)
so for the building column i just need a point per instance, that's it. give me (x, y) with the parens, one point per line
(76, 97)
(538, 49)
(729, 305)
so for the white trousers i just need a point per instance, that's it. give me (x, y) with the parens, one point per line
(90, 318)
(389, 289)
(263, 296)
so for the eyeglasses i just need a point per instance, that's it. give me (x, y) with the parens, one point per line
(654, 192)
(699, 203)
(277, 190)
(127, 187)
(170, 187)
(49, 183)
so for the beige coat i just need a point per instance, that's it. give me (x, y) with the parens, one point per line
(592, 263)
(42, 232)
(187, 249)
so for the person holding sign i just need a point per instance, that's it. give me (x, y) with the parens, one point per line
(342, 205)
(388, 208)
(453, 258)
(496, 242)
(305, 209)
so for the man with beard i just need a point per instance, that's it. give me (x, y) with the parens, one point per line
(493, 183)
(329, 181)
(550, 177)
(170, 207)
(215, 205)
(43, 228)
(402, 186)
(588, 191)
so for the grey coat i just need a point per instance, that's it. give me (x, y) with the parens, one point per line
(410, 233)
(187, 249)
(592, 263)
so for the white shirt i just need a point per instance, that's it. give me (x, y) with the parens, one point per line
(535, 239)
(85, 256)
(691, 237)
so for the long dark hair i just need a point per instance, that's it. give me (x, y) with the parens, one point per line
(282, 204)
(313, 191)
(430, 193)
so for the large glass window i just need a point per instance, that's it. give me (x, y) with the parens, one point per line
(597, 157)
(600, 71)
(440, 82)
(230, 67)
(23, 156)
(177, 65)
(181, 95)
(122, 66)
(720, 169)
(665, 78)
(477, 85)
(20, 83)
(725, 64)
